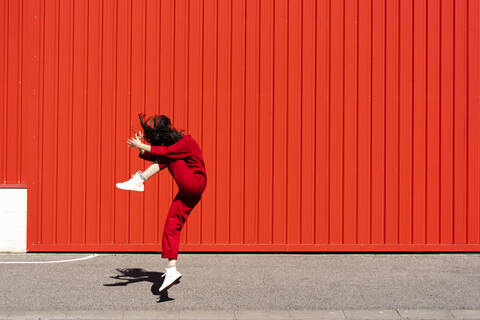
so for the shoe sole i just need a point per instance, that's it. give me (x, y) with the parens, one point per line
(170, 285)
(129, 189)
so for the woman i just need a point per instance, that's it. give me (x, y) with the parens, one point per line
(170, 148)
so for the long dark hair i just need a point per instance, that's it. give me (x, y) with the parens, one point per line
(157, 130)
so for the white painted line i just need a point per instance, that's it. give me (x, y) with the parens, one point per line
(58, 261)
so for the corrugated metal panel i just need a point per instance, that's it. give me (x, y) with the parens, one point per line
(326, 125)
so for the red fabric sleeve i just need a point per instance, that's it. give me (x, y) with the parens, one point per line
(176, 151)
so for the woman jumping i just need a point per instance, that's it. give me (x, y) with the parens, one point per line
(170, 148)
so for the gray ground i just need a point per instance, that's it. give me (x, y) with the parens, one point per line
(243, 282)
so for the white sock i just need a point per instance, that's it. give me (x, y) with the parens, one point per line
(173, 268)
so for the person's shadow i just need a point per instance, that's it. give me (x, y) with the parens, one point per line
(134, 275)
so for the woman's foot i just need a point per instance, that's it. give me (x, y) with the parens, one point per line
(170, 276)
(134, 184)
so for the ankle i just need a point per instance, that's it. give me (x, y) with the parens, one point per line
(172, 262)
(171, 268)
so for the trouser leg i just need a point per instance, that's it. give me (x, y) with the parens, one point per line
(177, 215)
(190, 188)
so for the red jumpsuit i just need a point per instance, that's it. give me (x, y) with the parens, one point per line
(185, 162)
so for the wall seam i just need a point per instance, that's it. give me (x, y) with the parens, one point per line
(371, 98)
(216, 126)
(286, 120)
(19, 93)
(453, 121)
(426, 124)
(467, 117)
(115, 93)
(71, 123)
(230, 130)
(85, 123)
(315, 135)
(5, 102)
(412, 118)
(57, 94)
(357, 120)
(301, 125)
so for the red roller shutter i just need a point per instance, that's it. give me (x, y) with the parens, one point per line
(326, 125)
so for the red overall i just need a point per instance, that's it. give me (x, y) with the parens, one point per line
(184, 160)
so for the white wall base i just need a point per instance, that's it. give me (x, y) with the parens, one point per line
(13, 220)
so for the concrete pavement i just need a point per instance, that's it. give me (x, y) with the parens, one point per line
(246, 314)
(241, 286)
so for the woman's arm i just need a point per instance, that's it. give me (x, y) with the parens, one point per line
(178, 150)
(147, 156)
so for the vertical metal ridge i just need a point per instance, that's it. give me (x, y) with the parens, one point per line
(258, 114)
(85, 121)
(188, 89)
(114, 200)
(314, 133)
(272, 150)
(301, 123)
(100, 118)
(398, 119)
(286, 121)
(157, 211)
(188, 69)
(343, 125)
(357, 119)
(453, 121)
(440, 106)
(144, 104)
(174, 30)
(57, 98)
(215, 207)
(258, 119)
(70, 227)
(5, 99)
(203, 71)
(467, 105)
(385, 120)
(244, 112)
(172, 76)
(413, 114)
(130, 43)
(41, 135)
(426, 123)
(329, 111)
(230, 130)
(273, 121)
(19, 93)
(371, 99)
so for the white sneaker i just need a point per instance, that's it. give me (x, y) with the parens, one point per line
(135, 183)
(170, 276)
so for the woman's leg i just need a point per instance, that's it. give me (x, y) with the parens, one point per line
(151, 171)
(190, 188)
(177, 216)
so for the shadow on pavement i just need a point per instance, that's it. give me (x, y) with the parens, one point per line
(133, 275)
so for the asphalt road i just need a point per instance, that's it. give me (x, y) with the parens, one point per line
(242, 282)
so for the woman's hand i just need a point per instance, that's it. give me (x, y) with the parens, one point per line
(137, 141)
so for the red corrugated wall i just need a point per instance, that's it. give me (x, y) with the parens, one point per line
(349, 125)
